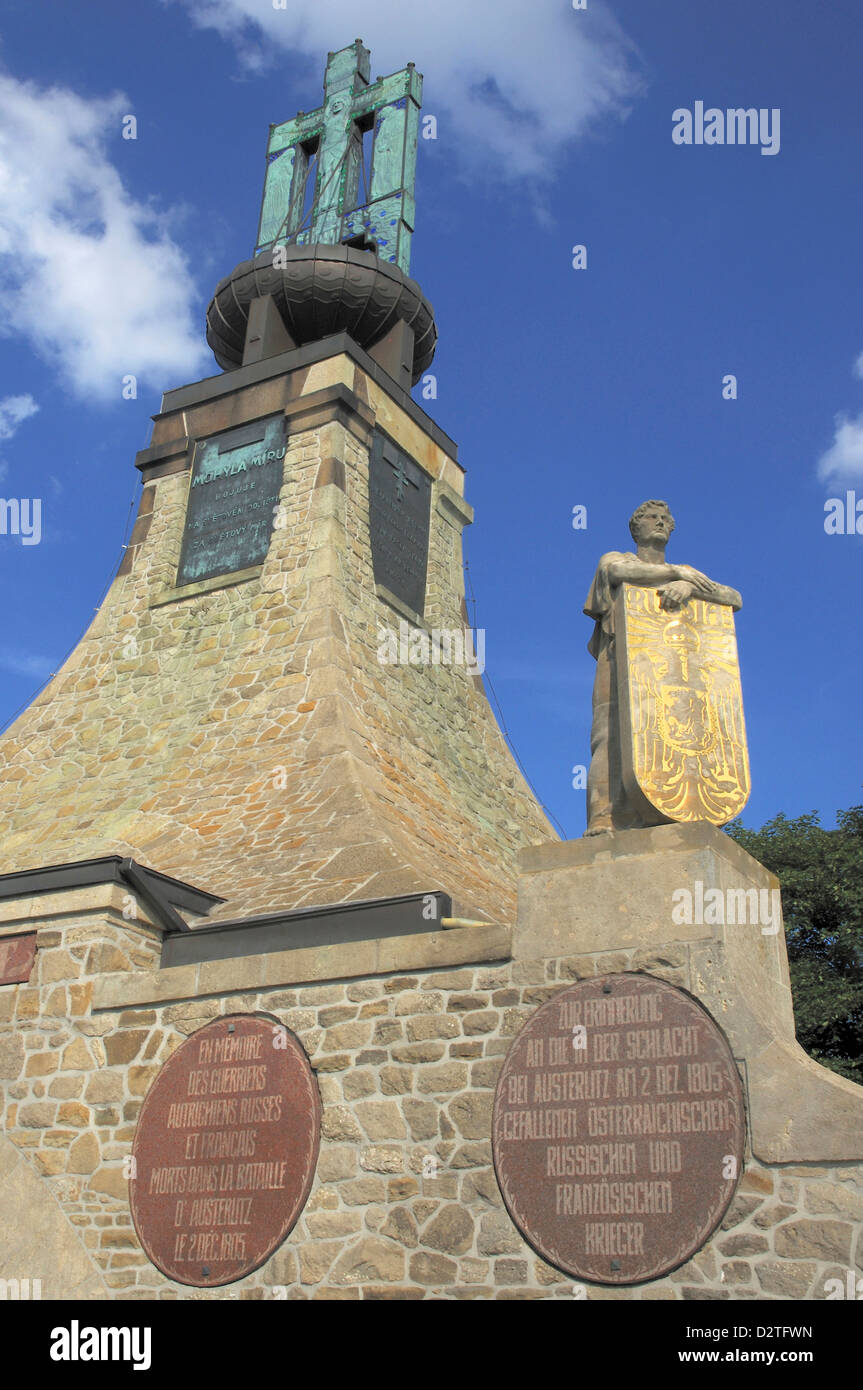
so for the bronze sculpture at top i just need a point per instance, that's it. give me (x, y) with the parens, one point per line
(345, 173)
(334, 235)
(668, 741)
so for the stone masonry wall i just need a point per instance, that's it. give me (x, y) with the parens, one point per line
(405, 1204)
(241, 733)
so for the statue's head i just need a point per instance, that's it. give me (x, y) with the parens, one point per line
(651, 521)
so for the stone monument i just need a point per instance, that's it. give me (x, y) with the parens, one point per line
(229, 717)
(299, 996)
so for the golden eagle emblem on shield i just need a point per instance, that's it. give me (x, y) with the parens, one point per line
(683, 739)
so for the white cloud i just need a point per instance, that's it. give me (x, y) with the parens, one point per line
(518, 81)
(22, 663)
(89, 276)
(13, 411)
(843, 461)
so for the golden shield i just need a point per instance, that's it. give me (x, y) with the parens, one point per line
(683, 739)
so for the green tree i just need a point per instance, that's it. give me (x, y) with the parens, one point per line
(821, 875)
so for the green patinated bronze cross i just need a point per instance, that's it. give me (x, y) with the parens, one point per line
(317, 186)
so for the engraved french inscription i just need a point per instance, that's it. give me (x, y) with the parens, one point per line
(225, 1150)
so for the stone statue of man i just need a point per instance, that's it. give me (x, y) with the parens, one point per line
(651, 524)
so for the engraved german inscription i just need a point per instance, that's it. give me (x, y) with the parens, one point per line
(618, 1129)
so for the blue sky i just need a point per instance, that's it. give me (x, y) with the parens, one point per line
(598, 387)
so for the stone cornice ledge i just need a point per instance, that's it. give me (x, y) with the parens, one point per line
(315, 965)
(453, 507)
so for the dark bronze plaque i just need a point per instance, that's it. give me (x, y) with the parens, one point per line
(399, 506)
(225, 1150)
(17, 954)
(618, 1129)
(234, 489)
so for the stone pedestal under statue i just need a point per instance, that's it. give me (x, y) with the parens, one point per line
(687, 904)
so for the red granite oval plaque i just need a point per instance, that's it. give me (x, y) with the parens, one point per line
(225, 1150)
(618, 1129)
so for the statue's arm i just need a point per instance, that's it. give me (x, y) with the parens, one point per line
(631, 570)
(686, 581)
(730, 597)
(705, 588)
